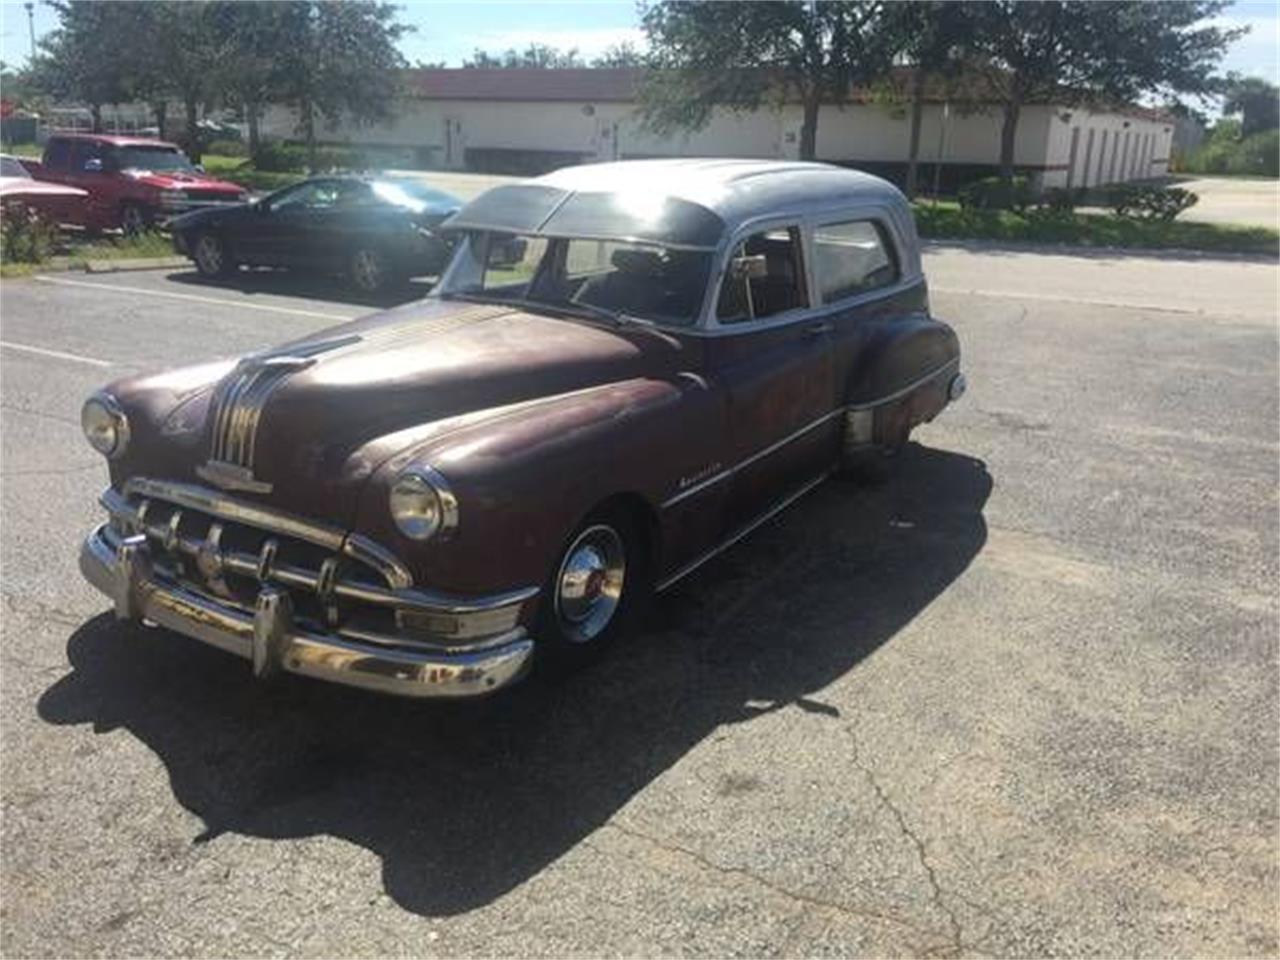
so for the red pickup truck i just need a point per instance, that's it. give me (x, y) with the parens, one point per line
(132, 182)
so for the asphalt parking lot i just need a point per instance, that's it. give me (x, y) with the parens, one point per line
(1020, 700)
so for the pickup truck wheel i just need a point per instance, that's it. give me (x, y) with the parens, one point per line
(212, 258)
(592, 591)
(369, 270)
(134, 219)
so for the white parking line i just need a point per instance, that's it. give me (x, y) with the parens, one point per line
(221, 301)
(56, 354)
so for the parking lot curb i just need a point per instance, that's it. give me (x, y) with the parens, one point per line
(143, 263)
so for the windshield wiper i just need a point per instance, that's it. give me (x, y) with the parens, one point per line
(616, 317)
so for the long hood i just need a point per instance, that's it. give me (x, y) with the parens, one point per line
(296, 425)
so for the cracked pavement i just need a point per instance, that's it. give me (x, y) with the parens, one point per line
(1020, 700)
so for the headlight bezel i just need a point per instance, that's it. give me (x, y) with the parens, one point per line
(115, 416)
(424, 481)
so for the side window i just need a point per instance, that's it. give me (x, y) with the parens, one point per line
(765, 278)
(851, 258)
(57, 155)
(84, 151)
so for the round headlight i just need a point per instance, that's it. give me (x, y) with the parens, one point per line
(105, 425)
(415, 506)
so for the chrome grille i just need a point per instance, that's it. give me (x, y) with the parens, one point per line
(335, 582)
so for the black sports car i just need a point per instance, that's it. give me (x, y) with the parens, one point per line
(374, 231)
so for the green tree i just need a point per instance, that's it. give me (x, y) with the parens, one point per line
(80, 61)
(742, 55)
(624, 54)
(538, 56)
(249, 68)
(1256, 101)
(1077, 51)
(933, 37)
(338, 58)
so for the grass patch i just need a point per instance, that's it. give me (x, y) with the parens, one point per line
(75, 251)
(29, 151)
(241, 171)
(946, 221)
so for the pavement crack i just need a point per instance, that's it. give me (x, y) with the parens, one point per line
(937, 893)
(793, 896)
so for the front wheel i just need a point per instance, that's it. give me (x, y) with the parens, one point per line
(211, 256)
(595, 587)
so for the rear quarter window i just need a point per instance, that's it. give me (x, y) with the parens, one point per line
(852, 258)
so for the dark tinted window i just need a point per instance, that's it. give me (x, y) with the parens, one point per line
(149, 158)
(852, 258)
(57, 154)
(84, 150)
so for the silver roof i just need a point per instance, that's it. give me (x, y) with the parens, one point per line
(681, 202)
(734, 190)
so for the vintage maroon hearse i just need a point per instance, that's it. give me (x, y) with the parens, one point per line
(426, 500)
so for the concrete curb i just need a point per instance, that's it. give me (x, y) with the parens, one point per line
(144, 263)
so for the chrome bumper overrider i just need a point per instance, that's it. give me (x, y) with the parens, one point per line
(269, 637)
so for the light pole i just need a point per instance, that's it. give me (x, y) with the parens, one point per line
(31, 25)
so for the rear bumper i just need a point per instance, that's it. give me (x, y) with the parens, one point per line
(272, 641)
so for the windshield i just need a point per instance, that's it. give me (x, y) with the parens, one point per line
(624, 279)
(416, 196)
(10, 167)
(149, 158)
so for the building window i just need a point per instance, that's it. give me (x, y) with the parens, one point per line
(765, 278)
(852, 258)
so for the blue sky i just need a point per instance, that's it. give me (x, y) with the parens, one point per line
(450, 31)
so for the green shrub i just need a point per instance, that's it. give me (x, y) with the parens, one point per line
(227, 148)
(25, 236)
(1258, 155)
(995, 193)
(1061, 199)
(1140, 202)
(276, 157)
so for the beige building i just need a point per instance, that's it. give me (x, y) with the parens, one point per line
(529, 121)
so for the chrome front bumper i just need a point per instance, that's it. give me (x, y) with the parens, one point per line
(272, 641)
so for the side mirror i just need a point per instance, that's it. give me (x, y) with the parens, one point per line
(198, 167)
(749, 268)
(93, 165)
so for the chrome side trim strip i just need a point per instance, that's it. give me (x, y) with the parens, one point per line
(769, 514)
(914, 384)
(728, 472)
(743, 464)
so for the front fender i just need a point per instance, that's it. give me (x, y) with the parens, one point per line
(525, 476)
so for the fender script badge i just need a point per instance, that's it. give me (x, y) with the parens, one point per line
(709, 470)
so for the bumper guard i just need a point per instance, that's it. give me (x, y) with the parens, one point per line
(272, 641)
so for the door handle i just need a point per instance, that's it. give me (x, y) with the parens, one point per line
(819, 328)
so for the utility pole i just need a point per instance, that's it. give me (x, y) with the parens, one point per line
(31, 26)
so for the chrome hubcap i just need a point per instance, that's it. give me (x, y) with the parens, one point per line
(209, 254)
(367, 269)
(589, 584)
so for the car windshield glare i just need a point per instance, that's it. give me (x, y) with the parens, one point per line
(625, 278)
(150, 158)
